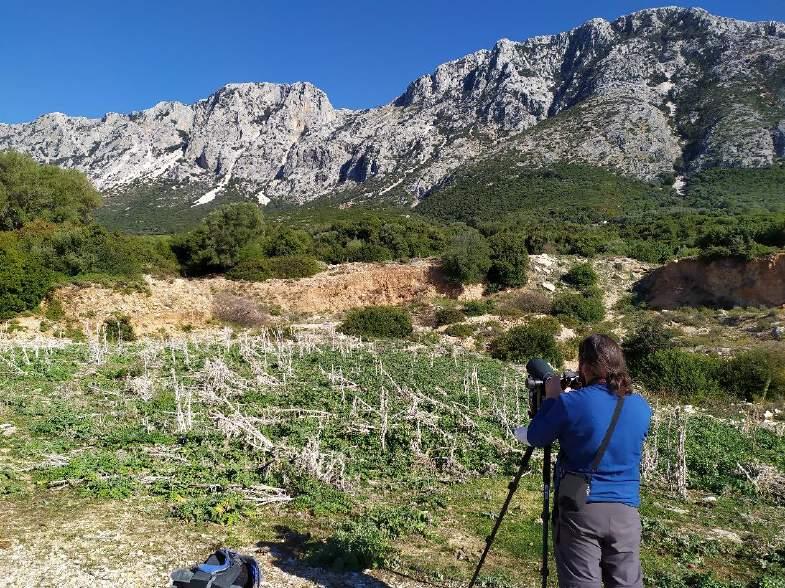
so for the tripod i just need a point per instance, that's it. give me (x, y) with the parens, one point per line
(546, 503)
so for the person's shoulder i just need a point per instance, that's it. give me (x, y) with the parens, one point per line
(582, 395)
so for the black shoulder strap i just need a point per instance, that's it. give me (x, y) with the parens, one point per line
(607, 439)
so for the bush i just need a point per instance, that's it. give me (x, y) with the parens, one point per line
(239, 311)
(586, 309)
(650, 336)
(447, 316)
(356, 546)
(377, 321)
(478, 307)
(89, 249)
(215, 245)
(526, 342)
(288, 267)
(366, 543)
(29, 191)
(118, 328)
(528, 301)
(286, 242)
(581, 276)
(461, 330)
(757, 374)
(24, 281)
(54, 310)
(468, 259)
(509, 260)
(690, 375)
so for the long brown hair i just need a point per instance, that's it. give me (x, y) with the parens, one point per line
(605, 359)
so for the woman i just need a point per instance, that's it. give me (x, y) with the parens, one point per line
(597, 529)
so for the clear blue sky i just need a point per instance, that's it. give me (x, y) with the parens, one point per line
(85, 57)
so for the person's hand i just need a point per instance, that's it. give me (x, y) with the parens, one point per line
(553, 387)
(521, 435)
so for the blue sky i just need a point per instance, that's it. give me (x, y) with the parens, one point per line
(85, 57)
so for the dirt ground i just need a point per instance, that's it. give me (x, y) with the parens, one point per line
(177, 302)
(74, 543)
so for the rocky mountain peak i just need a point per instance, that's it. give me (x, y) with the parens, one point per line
(653, 93)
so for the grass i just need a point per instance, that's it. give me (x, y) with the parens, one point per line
(395, 454)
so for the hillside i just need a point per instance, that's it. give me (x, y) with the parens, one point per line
(324, 454)
(654, 93)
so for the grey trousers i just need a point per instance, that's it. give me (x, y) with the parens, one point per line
(598, 546)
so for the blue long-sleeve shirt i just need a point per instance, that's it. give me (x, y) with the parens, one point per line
(579, 420)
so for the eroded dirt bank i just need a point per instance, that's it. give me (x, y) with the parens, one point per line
(196, 302)
(725, 282)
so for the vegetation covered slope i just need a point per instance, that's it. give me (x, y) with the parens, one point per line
(372, 455)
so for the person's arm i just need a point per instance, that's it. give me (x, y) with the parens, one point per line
(546, 425)
(549, 420)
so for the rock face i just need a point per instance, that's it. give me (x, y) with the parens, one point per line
(652, 90)
(725, 282)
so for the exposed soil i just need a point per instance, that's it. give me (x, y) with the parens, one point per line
(726, 282)
(177, 302)
(74, 543)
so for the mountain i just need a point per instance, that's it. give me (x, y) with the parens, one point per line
(656, 93)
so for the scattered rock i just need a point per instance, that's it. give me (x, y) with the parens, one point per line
(726, 535)
(778, 333)
(548, 286)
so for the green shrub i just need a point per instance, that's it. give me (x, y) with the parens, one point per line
(468, 259)
(526, 342)
(377, 321)
(287, 242)
(118, 328)
(583, 308)
(528, 301)
(24, 281)
(317, 497)
(288, 267)
(216, 244)
(30, 191)
(649, 337)
(89, 249)
(757, 374)
(687, 374)
(54, 310)
(367, 542)
(581, 276)
(461, 330)
(447, 316)
(478, 307)
(355, 546)
(221, 508)
(509, 260)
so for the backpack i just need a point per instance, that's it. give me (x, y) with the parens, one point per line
(223, 569)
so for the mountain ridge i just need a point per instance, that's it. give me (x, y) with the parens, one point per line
(659, 92)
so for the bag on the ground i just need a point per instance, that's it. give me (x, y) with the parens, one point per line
(223, 569)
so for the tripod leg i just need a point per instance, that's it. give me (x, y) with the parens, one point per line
(546, 501)
(513, 487)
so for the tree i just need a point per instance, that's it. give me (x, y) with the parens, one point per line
(509, 260)
(30, 191)
(468, 259)
(215, 245)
